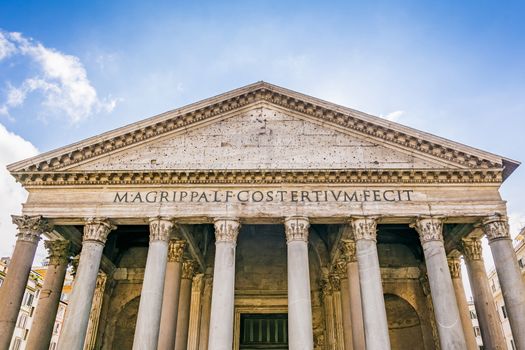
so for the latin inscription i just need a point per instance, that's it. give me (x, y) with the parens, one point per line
(250, 196)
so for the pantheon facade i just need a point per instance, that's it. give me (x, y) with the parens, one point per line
(263, 218)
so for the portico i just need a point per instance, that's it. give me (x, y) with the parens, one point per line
(267, 218)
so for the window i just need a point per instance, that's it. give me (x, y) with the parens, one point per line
(504, 311)
(512, 344)
(264, 331)
(473, 315)
(493, 286)
(521, 262)
(52, 346)
(17, 343)
(56, 328)
(28, 299)
(477, 331)
(22, 320)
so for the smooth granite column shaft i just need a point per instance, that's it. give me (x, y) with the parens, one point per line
(488, 318)
(170, 298)
(148, 319)
(454, 266)
(374, 312)
(356, 310)
(223, 294)
(300, 332)
(77, 314)
(509, 275)
(448, 322)
(183, 320)
(12, 291)
(44, 319)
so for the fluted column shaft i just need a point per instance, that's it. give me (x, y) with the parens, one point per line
(49, 298)
(223, 294)
(300, 332)
(77, 315)
(335, 280)
(345, 304)
(454, 266)
(356, 310)
(374, 312)
(30, 228)
(448, 322)
(328, 304)
(170, 298)
(509, 275)
(148, 319)
(205, 313)
(488, 318)
(183, 320)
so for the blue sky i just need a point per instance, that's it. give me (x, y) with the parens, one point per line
(455, 69)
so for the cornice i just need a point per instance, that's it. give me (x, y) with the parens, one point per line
(181, 119)
(278, 176)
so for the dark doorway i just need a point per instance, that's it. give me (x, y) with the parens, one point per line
(264, 332)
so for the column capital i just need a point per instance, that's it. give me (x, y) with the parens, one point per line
(430, 228)
(364, 227)
(335, 282)
(226, 229)
(296, 228)
(176, 250)
(495, 227)
(97, 230)
(30, 228)
(454, 265)
(339, 268)
(348, 250)
(59, 251)
(326, 286)
(160, 229)
(472, 248)
(188, 269)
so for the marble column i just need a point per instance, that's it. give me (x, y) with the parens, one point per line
(300, 332)
(30, 228)
(449, 325)
(373, 302)
(49, 298)
(356, 311)
(205, 313)
(488, 318)
(454, 266)
(345, 303)
(150, 306)
(183, 319)
(170, 298)
(328, 304)
(96, 231)
(223, 294)
(509, 274)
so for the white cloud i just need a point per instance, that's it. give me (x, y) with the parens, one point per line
(394, 116)
(12, 149)
(62, 81)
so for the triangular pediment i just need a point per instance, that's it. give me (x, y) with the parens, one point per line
(260, 127)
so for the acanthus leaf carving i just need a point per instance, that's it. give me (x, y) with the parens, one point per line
(472, 249)
(429, 228)
(97, 230)
(496, 227)
(160, 229)
(454, 266)
(296, 229)
(30, 228)
(176, 250)
(226, 229)
(59, 252)
(364, 228)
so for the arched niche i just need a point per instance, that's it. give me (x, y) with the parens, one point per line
(404, 325)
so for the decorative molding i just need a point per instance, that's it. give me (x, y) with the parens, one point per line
(472, 249)
(97, 230)
(226, 229)
(326, 286)
(364, 228)
(335, 282)
(496, 227)
(30, 228)
(160, 229)
(188, 269)
(430, 228)
(340, 268)
(176, 250)
(59, 252)
(348, 250)
(261, 92)
(296, 229)
(258, 176)
(454, 265)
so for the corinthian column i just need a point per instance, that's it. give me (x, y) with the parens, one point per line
(449, 324)
(77, 314)
(49, 298)
(509, 275)
(183, 320)
(223, 294)
(300, 332)
(374, 312)
(30, 228)
(348, 248)
(342, 309)
(170, 298)
(454, 265)
(150, 307)
(488, 318)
